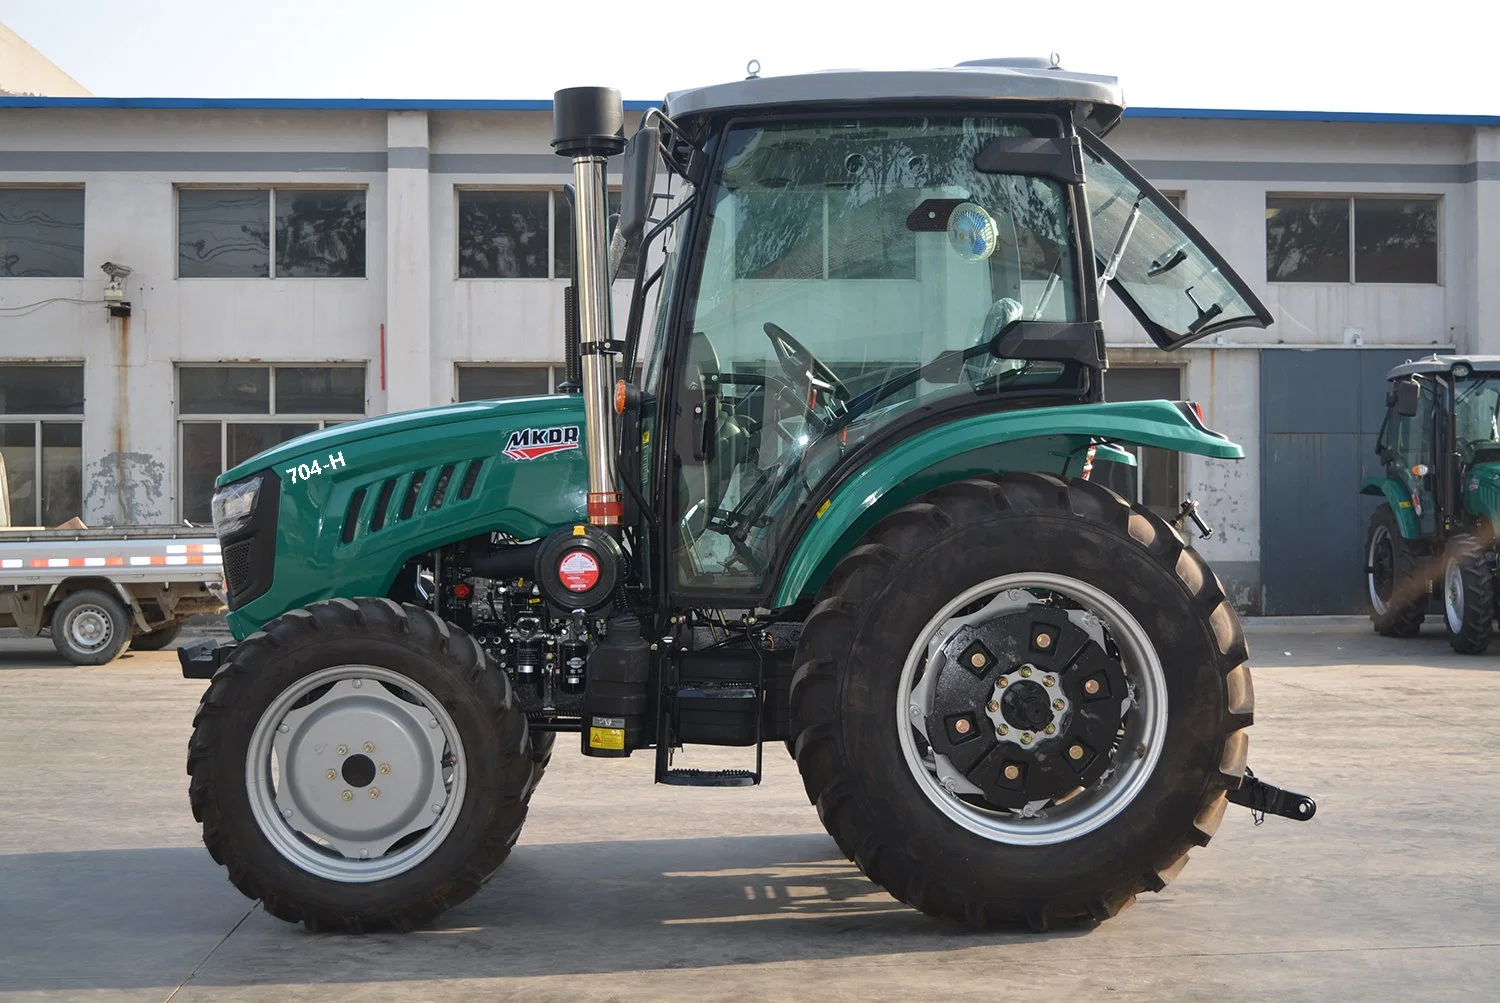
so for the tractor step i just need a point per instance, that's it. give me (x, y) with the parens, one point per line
(711, 778)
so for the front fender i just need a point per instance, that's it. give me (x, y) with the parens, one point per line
(1395, 493)
(1048, 440)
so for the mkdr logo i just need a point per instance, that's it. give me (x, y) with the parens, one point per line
(529, 443)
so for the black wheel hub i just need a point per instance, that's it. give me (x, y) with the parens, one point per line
(1026, 706)
(1002, 664)
(359, 770)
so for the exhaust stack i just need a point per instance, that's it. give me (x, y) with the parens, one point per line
(588, 126)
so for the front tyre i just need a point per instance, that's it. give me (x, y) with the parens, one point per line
(359, 765)
(1021, 699)
(1468, 596)
(1397, 588)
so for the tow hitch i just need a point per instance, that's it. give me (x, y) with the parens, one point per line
(1263, 799)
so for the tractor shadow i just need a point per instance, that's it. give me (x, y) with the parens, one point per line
(139, 918)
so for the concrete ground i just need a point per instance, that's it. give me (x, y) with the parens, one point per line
(620, 890)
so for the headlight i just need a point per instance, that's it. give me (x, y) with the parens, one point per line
(233, 506)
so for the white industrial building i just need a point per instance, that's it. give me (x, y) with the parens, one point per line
(300, 262)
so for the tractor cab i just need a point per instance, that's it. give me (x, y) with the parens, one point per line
(1440, 446)
(846, 259)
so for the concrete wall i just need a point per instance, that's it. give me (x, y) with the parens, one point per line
(412, 162)
(24, 70)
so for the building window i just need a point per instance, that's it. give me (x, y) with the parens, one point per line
(1157, 480)
(226, 233)
(227, 414)
(482, 382)
(515, 234)
(41, 233)
(41, 443)
(1178, 199)
(1349, 239)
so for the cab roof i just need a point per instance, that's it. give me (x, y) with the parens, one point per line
(1432, 365)
(1035, 80)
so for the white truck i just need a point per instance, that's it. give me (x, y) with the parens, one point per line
(97, 590)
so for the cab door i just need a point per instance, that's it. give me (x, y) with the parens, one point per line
(1178, 287)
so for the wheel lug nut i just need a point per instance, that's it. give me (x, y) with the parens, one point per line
(1002, 731)
(1050, 681)
(385, 767)
(1091, 686)
(1012, 772)
(962, 726)
(1002, 682)
(1051, 729)
(374, 792)
(1058, 705)
(342, 750)
(993, 706)
(369, 746)
(1025, 738)
(1026, 672)
(1075, 752)
(332, 774)
(977, 659)
(1044, 640)
(347, 795)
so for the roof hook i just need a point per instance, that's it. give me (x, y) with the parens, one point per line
(1056, 61)
(752, 69)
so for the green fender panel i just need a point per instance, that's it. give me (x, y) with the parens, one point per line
(1049, 440)
(1396, 494)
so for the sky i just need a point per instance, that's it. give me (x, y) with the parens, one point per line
(1435, 57)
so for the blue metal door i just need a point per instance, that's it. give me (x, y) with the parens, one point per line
(1320, 413)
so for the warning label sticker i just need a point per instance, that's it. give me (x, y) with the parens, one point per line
(607, 738)
(578, 570)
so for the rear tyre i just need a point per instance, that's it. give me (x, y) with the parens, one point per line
(1132, 612)
(359, 765)
(90, 627)
(155, 640)
(1397, 589)
(1468, 596)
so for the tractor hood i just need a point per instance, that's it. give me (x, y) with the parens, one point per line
(1481, 491)
(510, 414)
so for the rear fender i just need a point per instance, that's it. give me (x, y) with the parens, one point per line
(1047, 440)
(1394, 492)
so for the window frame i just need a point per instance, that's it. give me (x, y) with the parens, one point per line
(557, 374)
(271, 191)
(320, 419)
(84, 247)
(554, 192)
(37, 420)
(1349, 198)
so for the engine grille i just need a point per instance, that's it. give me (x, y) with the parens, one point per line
(237, 566)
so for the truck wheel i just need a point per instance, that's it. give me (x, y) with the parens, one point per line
(90, 627)
(1021, 699)
(359, 765)
(1398, 591)
(1468, 596)
(155, 640)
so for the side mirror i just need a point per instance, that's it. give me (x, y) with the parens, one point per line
(1408, 398)
(638, 183)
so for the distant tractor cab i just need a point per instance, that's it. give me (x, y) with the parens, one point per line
(1436, 528)
(846, 509)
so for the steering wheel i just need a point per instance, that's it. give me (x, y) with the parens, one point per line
(804, 369)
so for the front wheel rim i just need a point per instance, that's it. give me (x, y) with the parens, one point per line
(1381, 578)
(355, 773)
(89, 628)
(1453, 596)
(1135, 756)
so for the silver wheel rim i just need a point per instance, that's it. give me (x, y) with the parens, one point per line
(1453, 596)
(89, 628)
(355, 773)
(1380, 537)
(1134, 757)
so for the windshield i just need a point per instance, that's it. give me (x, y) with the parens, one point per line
(1476, 413)
(843, 258)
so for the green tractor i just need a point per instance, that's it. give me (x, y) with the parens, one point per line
(847, 508)
(1440, 445)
